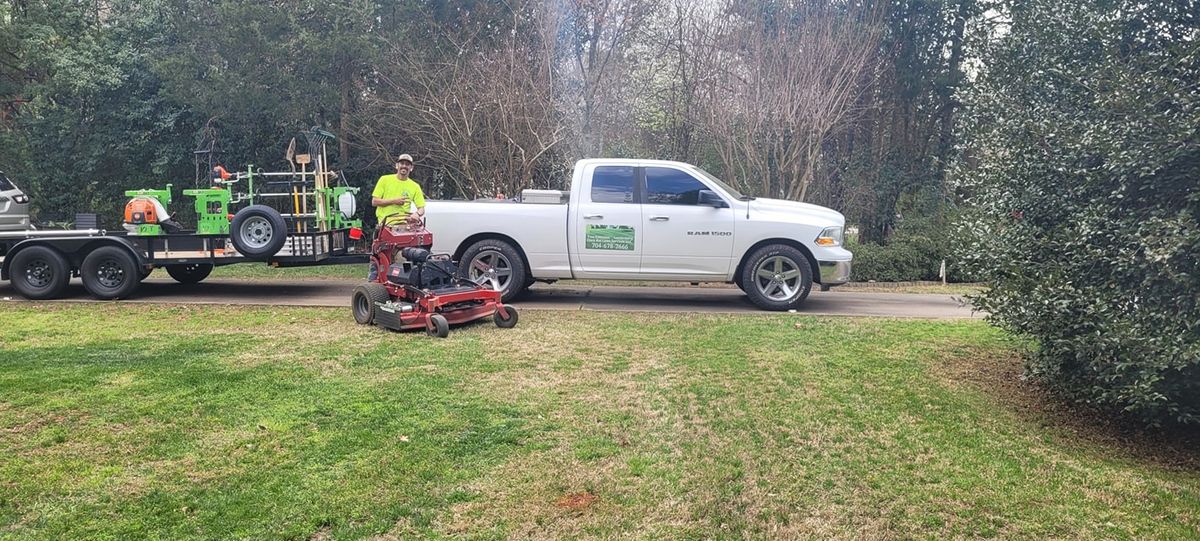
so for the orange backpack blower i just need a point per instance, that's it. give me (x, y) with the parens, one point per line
(140, 210)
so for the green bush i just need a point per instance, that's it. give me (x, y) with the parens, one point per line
(901, 260)
(1084, 132)
(915, 250)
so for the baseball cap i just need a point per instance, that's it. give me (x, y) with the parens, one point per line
(404, 157)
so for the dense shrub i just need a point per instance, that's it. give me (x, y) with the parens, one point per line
(1085, 177)
(902, 259)
(915, 250)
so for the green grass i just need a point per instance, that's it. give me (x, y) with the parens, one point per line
(262, 271)
(120, 421)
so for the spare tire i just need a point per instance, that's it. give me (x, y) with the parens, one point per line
(258, 231)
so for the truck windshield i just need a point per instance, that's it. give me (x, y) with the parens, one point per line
(5, 184)
(728, 189)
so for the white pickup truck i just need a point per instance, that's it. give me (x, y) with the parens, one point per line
(646, 220)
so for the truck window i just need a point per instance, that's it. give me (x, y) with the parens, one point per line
(666, 186)
(612, 184)
(5, 184)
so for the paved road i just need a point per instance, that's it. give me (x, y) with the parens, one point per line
(555, 297)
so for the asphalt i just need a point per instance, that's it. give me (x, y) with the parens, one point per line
(543, 297)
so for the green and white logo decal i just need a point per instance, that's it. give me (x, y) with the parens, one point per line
(609, 237)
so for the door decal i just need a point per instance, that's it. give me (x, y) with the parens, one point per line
(609, 237)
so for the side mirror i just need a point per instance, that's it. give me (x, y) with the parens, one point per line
(711, 199)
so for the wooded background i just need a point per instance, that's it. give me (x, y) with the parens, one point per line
(844, 104)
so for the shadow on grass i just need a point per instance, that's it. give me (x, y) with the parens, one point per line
(1175, 447)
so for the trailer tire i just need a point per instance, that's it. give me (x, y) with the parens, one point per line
(258, 231)
(502, 261)
(190, 273)
(110, 272)
(40, 272)
(362, 302)
(777, 277)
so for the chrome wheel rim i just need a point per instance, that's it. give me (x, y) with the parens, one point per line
(491, 266)
(778, 278)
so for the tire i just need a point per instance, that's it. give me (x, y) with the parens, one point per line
(439, 326)
(190, 273)
(362, 302)
(506, 317)
(145, 271)
(777, 277)
(258, 231)
(40, 272)
(110, 272)
(499, 260)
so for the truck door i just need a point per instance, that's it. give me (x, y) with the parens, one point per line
(608, 224)
(683, 237)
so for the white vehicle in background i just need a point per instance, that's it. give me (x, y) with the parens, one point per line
(14, 206)
(647, 220)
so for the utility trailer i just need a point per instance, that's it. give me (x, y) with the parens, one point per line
(285, 218)
(40, 264)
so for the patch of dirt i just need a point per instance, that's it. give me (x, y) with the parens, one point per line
(322, 534)
(1000, 375)
(576, 501)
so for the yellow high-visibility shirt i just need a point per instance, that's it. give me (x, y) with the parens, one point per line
(391, 187)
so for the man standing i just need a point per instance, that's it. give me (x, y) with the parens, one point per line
(397, 195)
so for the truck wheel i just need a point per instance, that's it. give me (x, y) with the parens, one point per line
(110, 272)
(190, 273)
(777, 277)
(362, 303)
(439, 327)
(40, 272)
(499, 263)
(258, 231)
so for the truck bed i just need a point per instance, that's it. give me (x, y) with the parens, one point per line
(540, 229)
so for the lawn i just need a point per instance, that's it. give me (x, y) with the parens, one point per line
(122, 421)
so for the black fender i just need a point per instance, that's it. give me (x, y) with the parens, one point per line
(74, 249)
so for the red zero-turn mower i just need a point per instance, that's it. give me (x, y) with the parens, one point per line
(421, 289)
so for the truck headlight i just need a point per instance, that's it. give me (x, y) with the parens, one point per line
(831, 236)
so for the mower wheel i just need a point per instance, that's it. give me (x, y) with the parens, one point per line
(190, 273)
(364, 299)
(40, 272)
(258, 231)
(506, 317)
(110, 272)
(439, 327)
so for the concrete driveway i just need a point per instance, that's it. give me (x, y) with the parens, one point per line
(550, 297)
